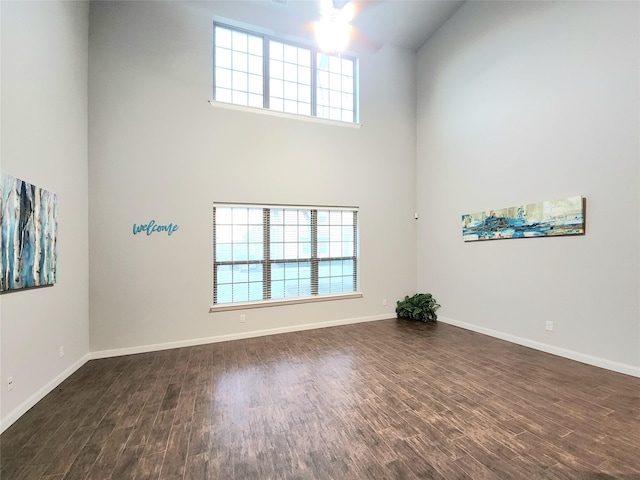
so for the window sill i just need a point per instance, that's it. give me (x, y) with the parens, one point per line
(274, 113)
(285, 301)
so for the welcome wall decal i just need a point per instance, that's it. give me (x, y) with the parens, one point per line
(153, 227)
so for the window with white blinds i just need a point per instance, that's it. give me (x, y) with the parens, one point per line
(268, 253)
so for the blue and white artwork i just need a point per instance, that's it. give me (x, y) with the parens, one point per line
(543, 219)
(28, 229)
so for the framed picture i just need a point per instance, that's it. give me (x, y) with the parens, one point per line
(543, 219)
(29, 231)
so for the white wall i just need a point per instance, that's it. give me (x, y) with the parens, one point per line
(520, 102)
(159, 151)
(44, 142)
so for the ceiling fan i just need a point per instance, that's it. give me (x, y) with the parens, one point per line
(335, 23)
(334, 30)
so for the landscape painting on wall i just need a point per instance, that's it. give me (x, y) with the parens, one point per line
(544, 219)
(28, 230)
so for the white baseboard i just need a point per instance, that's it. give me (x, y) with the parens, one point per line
(233, 336)
(7, 421)
(561, 352)
(21, 409)
(14, 415)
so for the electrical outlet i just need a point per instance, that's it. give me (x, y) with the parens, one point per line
(384, 302)
(61, 352)
(243, 318)
(10, 383)
(548, 326)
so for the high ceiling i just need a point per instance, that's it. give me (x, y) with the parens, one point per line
(402, 23)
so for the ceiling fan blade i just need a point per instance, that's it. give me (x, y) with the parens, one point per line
(326, 7)
(339, 4)
(360, 5)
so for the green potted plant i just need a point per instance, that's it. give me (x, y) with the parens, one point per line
(421, 306)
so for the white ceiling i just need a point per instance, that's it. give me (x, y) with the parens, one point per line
(402, 23)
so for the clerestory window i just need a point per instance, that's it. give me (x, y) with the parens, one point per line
(258, 70)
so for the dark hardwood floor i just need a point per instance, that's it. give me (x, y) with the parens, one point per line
(381, 400)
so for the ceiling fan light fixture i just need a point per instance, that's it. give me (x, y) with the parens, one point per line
(333, 30)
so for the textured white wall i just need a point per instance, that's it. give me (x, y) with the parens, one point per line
(520, 102)
(44, 142)
(159, 151)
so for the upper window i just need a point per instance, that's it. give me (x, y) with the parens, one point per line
(274, 253)
(257, 70)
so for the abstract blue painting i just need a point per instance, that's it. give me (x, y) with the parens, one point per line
(544, 219)
(28, 230)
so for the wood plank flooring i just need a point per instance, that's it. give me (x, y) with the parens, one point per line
(383, 400)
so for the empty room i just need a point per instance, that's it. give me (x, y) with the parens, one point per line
(210, 210)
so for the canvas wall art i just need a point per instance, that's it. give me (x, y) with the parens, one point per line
(544, 219)
(28, 230)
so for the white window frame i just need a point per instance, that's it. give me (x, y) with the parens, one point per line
(315, 258)
(314, 87)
